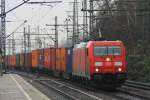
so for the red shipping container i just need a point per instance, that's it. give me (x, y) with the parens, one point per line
(63, 60)
(28, 60)
(22, 59)
(10, 60)
(58, 59)
(79, 62)
(50, 59)
(14, 60)
(41, 58)
(47, 58)
(74, 61)
(35, 57)
(53, 58)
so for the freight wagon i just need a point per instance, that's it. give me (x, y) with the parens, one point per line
(47, 59)
(28, 61)
(18, 61)
(35, 59)
(22, 61)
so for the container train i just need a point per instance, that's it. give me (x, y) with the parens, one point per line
(100, 62)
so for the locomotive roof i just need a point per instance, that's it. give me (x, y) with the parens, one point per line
(84, 44)
(107, 42)
(81, 45)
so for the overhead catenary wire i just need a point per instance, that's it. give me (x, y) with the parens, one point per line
(14, 8)
(16, 29)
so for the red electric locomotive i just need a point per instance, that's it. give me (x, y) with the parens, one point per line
(103, 62)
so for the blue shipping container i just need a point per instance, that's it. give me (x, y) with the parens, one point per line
(69, 60)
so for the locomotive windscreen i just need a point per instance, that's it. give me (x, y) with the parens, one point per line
(107, 50)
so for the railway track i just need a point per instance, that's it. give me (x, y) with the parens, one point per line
(77, 91)
(120, 94)
(141, 90)
(67, 91)
(138, 85)
(71, 91)
(57, 90)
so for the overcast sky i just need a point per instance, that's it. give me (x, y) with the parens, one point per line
(36, 15)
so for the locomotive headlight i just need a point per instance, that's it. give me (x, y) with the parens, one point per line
(119, 63)
(96, 69)
(107, 59)
(98, 63)
(119, 69)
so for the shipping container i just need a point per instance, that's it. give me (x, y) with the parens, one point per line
(58, 59)
(35, 59)
(28, 60)
(22, 60)
(11, 62)
(8, 60)
(75, 64)
(50, 59)
(41, 58)
(69, 60)
(17, 60)
(47, 58)
(1, 59)
(80, 66)
(53, 58)
(14, 60)
(63, 60)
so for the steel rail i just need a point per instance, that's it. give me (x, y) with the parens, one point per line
(55, 88)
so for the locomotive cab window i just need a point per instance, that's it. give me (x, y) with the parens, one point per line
(109, 50)
(100, 51)
(114, 50)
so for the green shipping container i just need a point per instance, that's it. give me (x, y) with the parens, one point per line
(18, 60)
